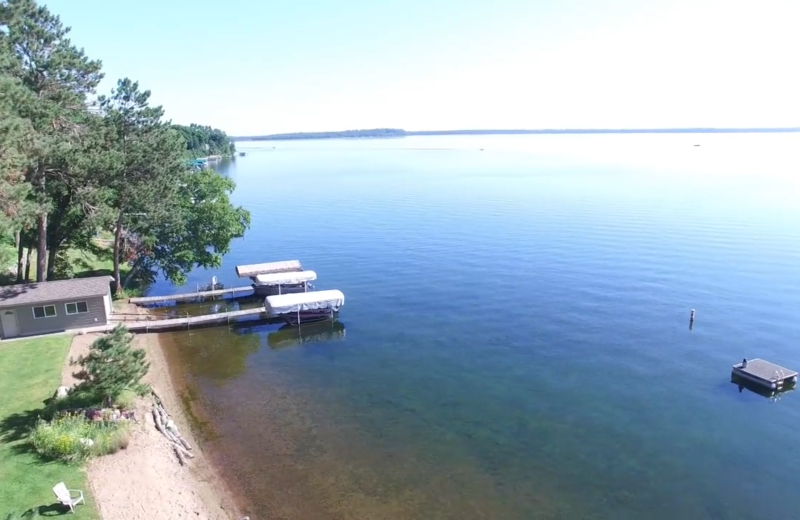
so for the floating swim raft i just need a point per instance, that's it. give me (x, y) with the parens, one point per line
(765, 373)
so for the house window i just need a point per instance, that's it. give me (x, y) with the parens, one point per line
(77, 308)
(45, 311)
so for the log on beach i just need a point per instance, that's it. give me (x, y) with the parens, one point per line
(166, 426)
(183, 451)
(179, 454)
(184, 443)
(157, 421)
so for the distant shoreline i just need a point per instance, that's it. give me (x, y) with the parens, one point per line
(393, 133)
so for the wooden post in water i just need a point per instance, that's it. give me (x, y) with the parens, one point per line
(691, 319)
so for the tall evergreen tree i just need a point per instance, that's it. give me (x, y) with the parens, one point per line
(58, 77)
(146, 166)
(15, 134)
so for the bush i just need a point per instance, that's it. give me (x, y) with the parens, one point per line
(127, 294)
(126, 400)
(65, 438)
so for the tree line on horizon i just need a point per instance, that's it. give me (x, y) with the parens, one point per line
(378, 133)
(73, 165)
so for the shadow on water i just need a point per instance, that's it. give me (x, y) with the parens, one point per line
(769, 393)
(291, 336)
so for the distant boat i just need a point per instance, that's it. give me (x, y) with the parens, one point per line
(697, 145)
(242, 154)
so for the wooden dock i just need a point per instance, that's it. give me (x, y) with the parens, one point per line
(765, 374)
(198, 295)
(186, 322)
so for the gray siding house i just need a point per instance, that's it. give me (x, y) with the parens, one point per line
(41, 308)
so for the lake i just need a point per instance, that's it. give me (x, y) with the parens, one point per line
(515, 342)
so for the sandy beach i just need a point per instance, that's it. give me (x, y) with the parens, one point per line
(146, 480)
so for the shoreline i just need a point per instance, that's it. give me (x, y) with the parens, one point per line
(146, 481)
(193, 420)
(206, 476)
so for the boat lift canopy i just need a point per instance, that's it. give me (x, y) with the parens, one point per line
(306, 301)
(287, 266)
(294, 278)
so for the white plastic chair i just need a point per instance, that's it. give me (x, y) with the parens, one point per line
(68, 497)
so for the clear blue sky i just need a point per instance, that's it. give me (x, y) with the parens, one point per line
(255, 67)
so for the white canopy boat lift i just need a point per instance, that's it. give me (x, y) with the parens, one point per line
(283, 283)
(305, 307)
(286, 266)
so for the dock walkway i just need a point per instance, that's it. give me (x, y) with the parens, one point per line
(186, 322)
(198, 295)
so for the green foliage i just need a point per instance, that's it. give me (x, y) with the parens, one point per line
(66, 438)
(127, 293)
(126, 399)
(15, 134)
(199, 230)
(57, 77)
(68, 171)
(112, 367)
(202, 141)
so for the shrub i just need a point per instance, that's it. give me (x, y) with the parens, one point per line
(126, 400)
(60, 439)
(65, 438)
(111, 439)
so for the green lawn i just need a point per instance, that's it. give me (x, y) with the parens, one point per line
(82, 264)
(30, 372)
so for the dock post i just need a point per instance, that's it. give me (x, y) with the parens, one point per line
(691, 319)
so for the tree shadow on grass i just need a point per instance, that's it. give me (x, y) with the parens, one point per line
(16, 427)
(54, 509)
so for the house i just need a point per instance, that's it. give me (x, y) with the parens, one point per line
(41, 308)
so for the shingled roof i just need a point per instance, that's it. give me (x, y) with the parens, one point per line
(59, 290)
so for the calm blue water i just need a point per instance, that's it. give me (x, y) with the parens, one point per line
(515, 339)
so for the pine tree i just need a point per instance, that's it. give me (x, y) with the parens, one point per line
(58, 77)
(113, 366)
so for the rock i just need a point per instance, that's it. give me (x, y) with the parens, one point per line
(86, 442)
(61, 392)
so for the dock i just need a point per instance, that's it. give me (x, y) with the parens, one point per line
(765, 374)
(197, 295)
(186, 322)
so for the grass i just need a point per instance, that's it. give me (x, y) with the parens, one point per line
(82, 264)
(30, 371)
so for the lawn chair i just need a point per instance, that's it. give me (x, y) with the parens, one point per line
(68, 497)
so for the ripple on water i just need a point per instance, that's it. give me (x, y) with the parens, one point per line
(517, 340)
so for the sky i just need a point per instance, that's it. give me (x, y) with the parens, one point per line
(253, 67)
